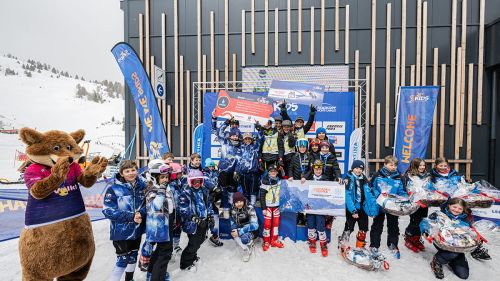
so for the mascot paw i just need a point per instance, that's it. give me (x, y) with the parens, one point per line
(97, 167)
(61, 167)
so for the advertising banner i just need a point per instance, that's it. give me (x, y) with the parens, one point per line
(159, 83)
(198, 139)
(144, 99)
(413, 123)
(300, 93)
(355, 146)
(244, 107)
(313, 197)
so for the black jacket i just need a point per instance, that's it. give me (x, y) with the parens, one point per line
(331, 166)
(299, 166)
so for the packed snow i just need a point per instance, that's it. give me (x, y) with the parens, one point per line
(294, 262)
(46, 102)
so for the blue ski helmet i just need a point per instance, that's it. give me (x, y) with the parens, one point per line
(302, 142)
(209, 162)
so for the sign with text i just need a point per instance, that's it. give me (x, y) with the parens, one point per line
(244, 107)
(301, 93)
(159, 83)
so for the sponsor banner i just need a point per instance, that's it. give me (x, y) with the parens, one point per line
(343, 102)
(301, 93)
(159, 83)
(413, 123)
(492, 213)
(355, 146)
(13, 202)
(340, 153)
(342, 168)
(244, 107)
(198, 139)
(144, 99)
(338, 140)
(313, 197)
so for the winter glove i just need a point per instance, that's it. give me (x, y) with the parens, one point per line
(228, 121)
(312, 109)
(236, 177)
(258, 127)
(199, 221)
(280, 163)
(282, 106)
(211, 222)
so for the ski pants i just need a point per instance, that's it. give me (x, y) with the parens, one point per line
(229, 187)
(392, 230)
(413, 228)
(159, 261)
(271, 224)
(316, 222)
(189, 254)
(250, 183)
(456, 261)
(287, 161)
(362, 221)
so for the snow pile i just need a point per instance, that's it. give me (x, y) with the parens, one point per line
(46, 102)
(294, 262)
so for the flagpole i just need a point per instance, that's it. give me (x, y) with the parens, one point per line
(396, 123)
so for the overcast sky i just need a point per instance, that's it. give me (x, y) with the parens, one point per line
(72, 35)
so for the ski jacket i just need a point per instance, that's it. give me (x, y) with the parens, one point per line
(407, 177)
(244, 220)
(299, 166)
(121, 201)
(230, 153)
(393, 180)
(249, 159)
(272, 145)
(211, 178)
(288, 142)
(446, 183)
(160, 207)
(187, 168)
(358, 193)
(464, 219)
(193, 203)
(330, 165)
(270, 192)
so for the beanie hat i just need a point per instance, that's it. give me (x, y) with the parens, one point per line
(238, 196)
(234, 132)
(278, 118)
(209, 162)
(299, 118)
(320, 130)
(358, 164)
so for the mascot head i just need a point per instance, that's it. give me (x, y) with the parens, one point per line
(46, 148)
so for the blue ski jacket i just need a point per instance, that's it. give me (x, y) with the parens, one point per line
(160, 208)
(358, 193)
(249, 159)
(244, 220)
(193, 203)
(230, 153)
(390, 179)
(211, 178)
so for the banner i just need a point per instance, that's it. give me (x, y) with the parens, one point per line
(198, 139)
(145, 102)
(244, 107)
(313, 197)
(13, 202)
(336, 115)
(159, 82)
(413, 123)
(355, 146)
(301, 93)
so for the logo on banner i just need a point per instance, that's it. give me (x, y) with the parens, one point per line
(334, 127)
(289, 107)
(326, 107)
(338, 140)
(324, 191)
(419, 97)
(223, 102)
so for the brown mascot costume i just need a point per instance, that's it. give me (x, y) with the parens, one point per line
(57, 241)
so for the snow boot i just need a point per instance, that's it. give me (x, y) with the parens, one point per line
(312, 245)
(420, 243)
(191, 269)
(246, 255)
(175, 253)
(144, 263)
(410, 243)
(360, 239)
(437, 268)
(265, 246)
(329, 221)
(395, 251)
(215, 241)
(480, 253)
(277, 244)
(324, 248)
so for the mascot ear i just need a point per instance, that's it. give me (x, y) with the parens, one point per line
(30, 136)
(78, 135)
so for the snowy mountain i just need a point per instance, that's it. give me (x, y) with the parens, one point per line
(36, 96)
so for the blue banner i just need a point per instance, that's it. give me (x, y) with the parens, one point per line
(336, 115)
(13, 200)
(413, 123)
(144, 99)
(313, 197)
(198, 139)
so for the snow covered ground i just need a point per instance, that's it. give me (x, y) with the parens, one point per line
(49, 103)
(294, 262)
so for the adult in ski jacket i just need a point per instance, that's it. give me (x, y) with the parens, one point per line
(300, 129)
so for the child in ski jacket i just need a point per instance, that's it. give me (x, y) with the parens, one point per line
(388, 175)
(272, 148)
(124, 207)
(317, 222)
(196, 216)
(299, 166)
(247, 168)
(360, 202)
(270, 204)
(331, 167)
(444, 178)
(300, 129)
(211, 178)
(244, 224)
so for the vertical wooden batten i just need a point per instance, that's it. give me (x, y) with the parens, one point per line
(312, 36)
(299, 27)
(403, 42)
(397, 75)
(212, 49)
(424, 45)
(146, 41)
(443, 108)
(141, 57)
(266, 32)
(188, 111)
(373, 65)
(252, 24)
(176, 63)
(337, 26)
(243, 42)
(356, 89)
(419, 43)
(276, 36)
(181, 95)
(322, 33)
(453, 47)
(480, 65)
(387, 73)
(435, 82)
(377, 137)
(468, 151)
(346, 39)
(164, 67)
(226, 41)
(288, 27)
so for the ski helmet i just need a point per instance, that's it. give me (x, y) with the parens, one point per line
(154, 165)
(325, 143)
(176, 169)
(301, 142)
(272, 167)
(315, 142)
(209, 162)
(195, 178)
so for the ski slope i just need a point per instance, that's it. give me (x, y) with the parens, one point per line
(294, 262)
(49, 103)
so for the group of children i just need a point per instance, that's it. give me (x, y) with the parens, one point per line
(169, 198)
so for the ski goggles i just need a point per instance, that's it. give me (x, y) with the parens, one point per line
(196, 182)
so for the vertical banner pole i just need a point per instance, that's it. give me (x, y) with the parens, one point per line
(226, 41)
(435, 82)
(457, 118)
(164, 67)
(396, 84)
(181, 94)
(276, 36)
(188, 109)
(367, 118)
(469, 121)
(252, 24)
(176, 63)
(322, 33)
(299, 27)
(337, 26)
(212, 49)
(403, 43)
(377, 137)
(266, 32)
(288, 27)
